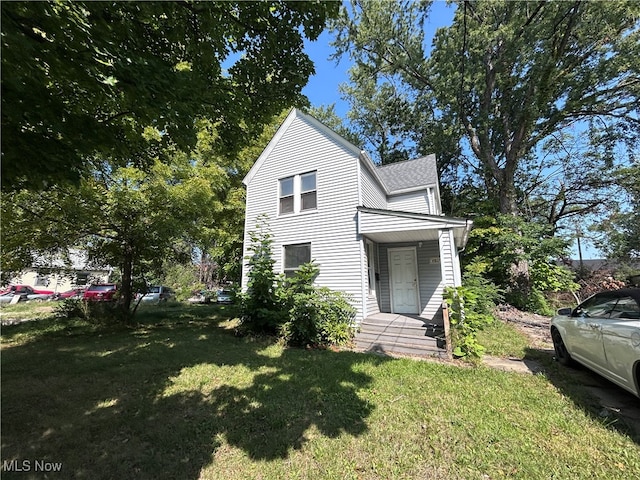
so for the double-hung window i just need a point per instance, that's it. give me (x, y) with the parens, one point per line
(286, 195)
(294, 256)
(308, 191)
(297, 193)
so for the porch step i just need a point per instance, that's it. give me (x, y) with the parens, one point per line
(396, 334)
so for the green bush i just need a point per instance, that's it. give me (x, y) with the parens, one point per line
(93, 312)
(319, 316)
(260, 308)
(470, 311)
(294, 308)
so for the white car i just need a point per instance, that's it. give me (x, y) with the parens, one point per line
(158, 294)
(603, 334)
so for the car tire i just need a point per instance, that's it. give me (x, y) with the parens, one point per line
(562, 355)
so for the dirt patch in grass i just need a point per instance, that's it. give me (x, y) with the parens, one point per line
(534, 326)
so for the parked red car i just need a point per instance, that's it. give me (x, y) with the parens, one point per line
(100, 292)
(25, 290)
(73, 293)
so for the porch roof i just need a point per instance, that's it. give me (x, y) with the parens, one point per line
(390, 226)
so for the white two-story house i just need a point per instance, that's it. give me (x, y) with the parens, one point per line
(375, 232)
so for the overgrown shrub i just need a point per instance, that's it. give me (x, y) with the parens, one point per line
(471, 310)
(94, 312)
(261, 311)
(301, 313)
(319, 316)
(519, 255)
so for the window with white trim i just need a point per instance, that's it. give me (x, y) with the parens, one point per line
(294, 256)
(42, 280)
(308, 194)
(286, 195)
(297, 193)
(371, 270)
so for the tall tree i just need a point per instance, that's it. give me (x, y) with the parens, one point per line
(124, 217)
(100, 78)
(501, 80)
(618, 235)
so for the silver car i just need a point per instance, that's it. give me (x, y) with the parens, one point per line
(603, 334)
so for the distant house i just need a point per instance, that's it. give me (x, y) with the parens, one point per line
(376, 232)
(54, 273)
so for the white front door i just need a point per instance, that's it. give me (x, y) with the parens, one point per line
(404, 280)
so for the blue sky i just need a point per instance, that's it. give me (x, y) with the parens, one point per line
(322, 88)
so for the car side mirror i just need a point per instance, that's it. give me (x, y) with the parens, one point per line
(565, 311)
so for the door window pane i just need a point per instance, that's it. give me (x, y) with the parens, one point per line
(597, 306)
(627, 308)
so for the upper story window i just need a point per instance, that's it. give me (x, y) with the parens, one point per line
(286, 195)
(298, 193)
(308, 191)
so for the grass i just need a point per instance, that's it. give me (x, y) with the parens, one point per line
(503, 340)
(179, 396)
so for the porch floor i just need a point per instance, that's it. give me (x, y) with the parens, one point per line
(392, 333)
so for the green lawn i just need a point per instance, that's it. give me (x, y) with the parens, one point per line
(180, 397)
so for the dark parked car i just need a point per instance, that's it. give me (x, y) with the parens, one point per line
(603, 334)
(100, 292)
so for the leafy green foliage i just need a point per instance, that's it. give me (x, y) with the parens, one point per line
(261, 310)
(470, 311)
(295, 309)
(519, 257)
(492, 90)
(317, 316)
(123, 217)
(618, 235)
(112, 78)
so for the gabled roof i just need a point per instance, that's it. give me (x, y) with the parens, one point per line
(393, 178)
(409, 174)
(293, 114)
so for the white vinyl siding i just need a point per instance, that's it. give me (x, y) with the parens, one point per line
(415, 202)
(373, 195)
(331, 227)
(451, 262)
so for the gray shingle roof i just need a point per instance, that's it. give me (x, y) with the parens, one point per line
(409, 174)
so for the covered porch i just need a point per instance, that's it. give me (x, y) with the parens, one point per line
(411, 258)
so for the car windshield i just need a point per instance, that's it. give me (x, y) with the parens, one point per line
(153, 290)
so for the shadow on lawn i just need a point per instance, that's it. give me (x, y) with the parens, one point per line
(159, 403)
(599, 398)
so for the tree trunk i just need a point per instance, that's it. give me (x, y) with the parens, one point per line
(126, 293)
